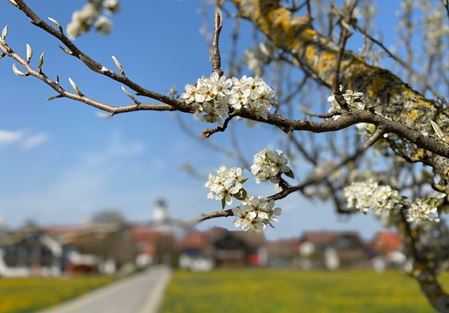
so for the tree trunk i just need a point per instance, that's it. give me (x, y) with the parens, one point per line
(433, 291)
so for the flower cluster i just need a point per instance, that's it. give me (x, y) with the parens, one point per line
(422, 211)
(255, 214)
(269, 165)
(103, 25)
(383, 200)
(252, 94)
(209, 97)
(214, 97)
(362, 196)
(227, 182)
(91, 15)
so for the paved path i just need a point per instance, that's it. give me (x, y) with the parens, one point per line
(137, 294)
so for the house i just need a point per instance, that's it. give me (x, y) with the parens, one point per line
(219, 247)
(154, 246)
(386, 242)
(333, 250)
(196, 252)
(236, 248)
(91, 248)
(283, 252)
(157, 239)
(30, 252)
(387, 246)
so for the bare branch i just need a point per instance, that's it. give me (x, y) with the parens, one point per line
(77, 95)
(393, 56)
(322, 176)
(93, 64)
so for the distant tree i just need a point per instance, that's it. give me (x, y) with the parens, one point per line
(109, 216)
(394, 163)
(30, 224)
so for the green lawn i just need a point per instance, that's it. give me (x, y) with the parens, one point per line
(269, 291)
(31, 294)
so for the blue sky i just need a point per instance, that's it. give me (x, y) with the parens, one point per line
(60, 162)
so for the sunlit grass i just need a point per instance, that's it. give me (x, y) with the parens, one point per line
(269, 291)
(31, 294)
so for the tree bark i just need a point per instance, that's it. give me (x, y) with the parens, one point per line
(393, 98)
(431, 288)
(319, 56)
(423, 271)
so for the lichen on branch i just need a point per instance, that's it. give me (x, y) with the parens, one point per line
(384, 91)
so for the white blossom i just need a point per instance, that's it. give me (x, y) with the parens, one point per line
(362, 196)
(111, 5)
(209, 97)
(255, 214)
(422, 211)
(82, 20)
(269, 164)
(252, 94)
(103, 25)
(227, 182)
(214, 97)
(90, 15)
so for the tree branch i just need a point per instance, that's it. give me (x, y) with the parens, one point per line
(92, 64)
(215, 48)
(319, 55)
(78, 96)
(210, 131)
(315, 179)
(422, 272)
(214, 214)
(394, 99)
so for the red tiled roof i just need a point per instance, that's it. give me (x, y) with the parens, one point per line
(194, 240)
(386, 241)
(144, 233)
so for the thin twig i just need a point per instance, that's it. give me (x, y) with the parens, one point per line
(215, 48)
(210, 131)
(80, 97)
(92, 64)
(320, 177)
(393, 56)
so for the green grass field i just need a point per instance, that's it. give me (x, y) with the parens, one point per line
(271, 291)
(31, 294)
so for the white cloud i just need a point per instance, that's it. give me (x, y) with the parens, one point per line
(26, 140)
(8, 137)
(83, 187)
(34, 141)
